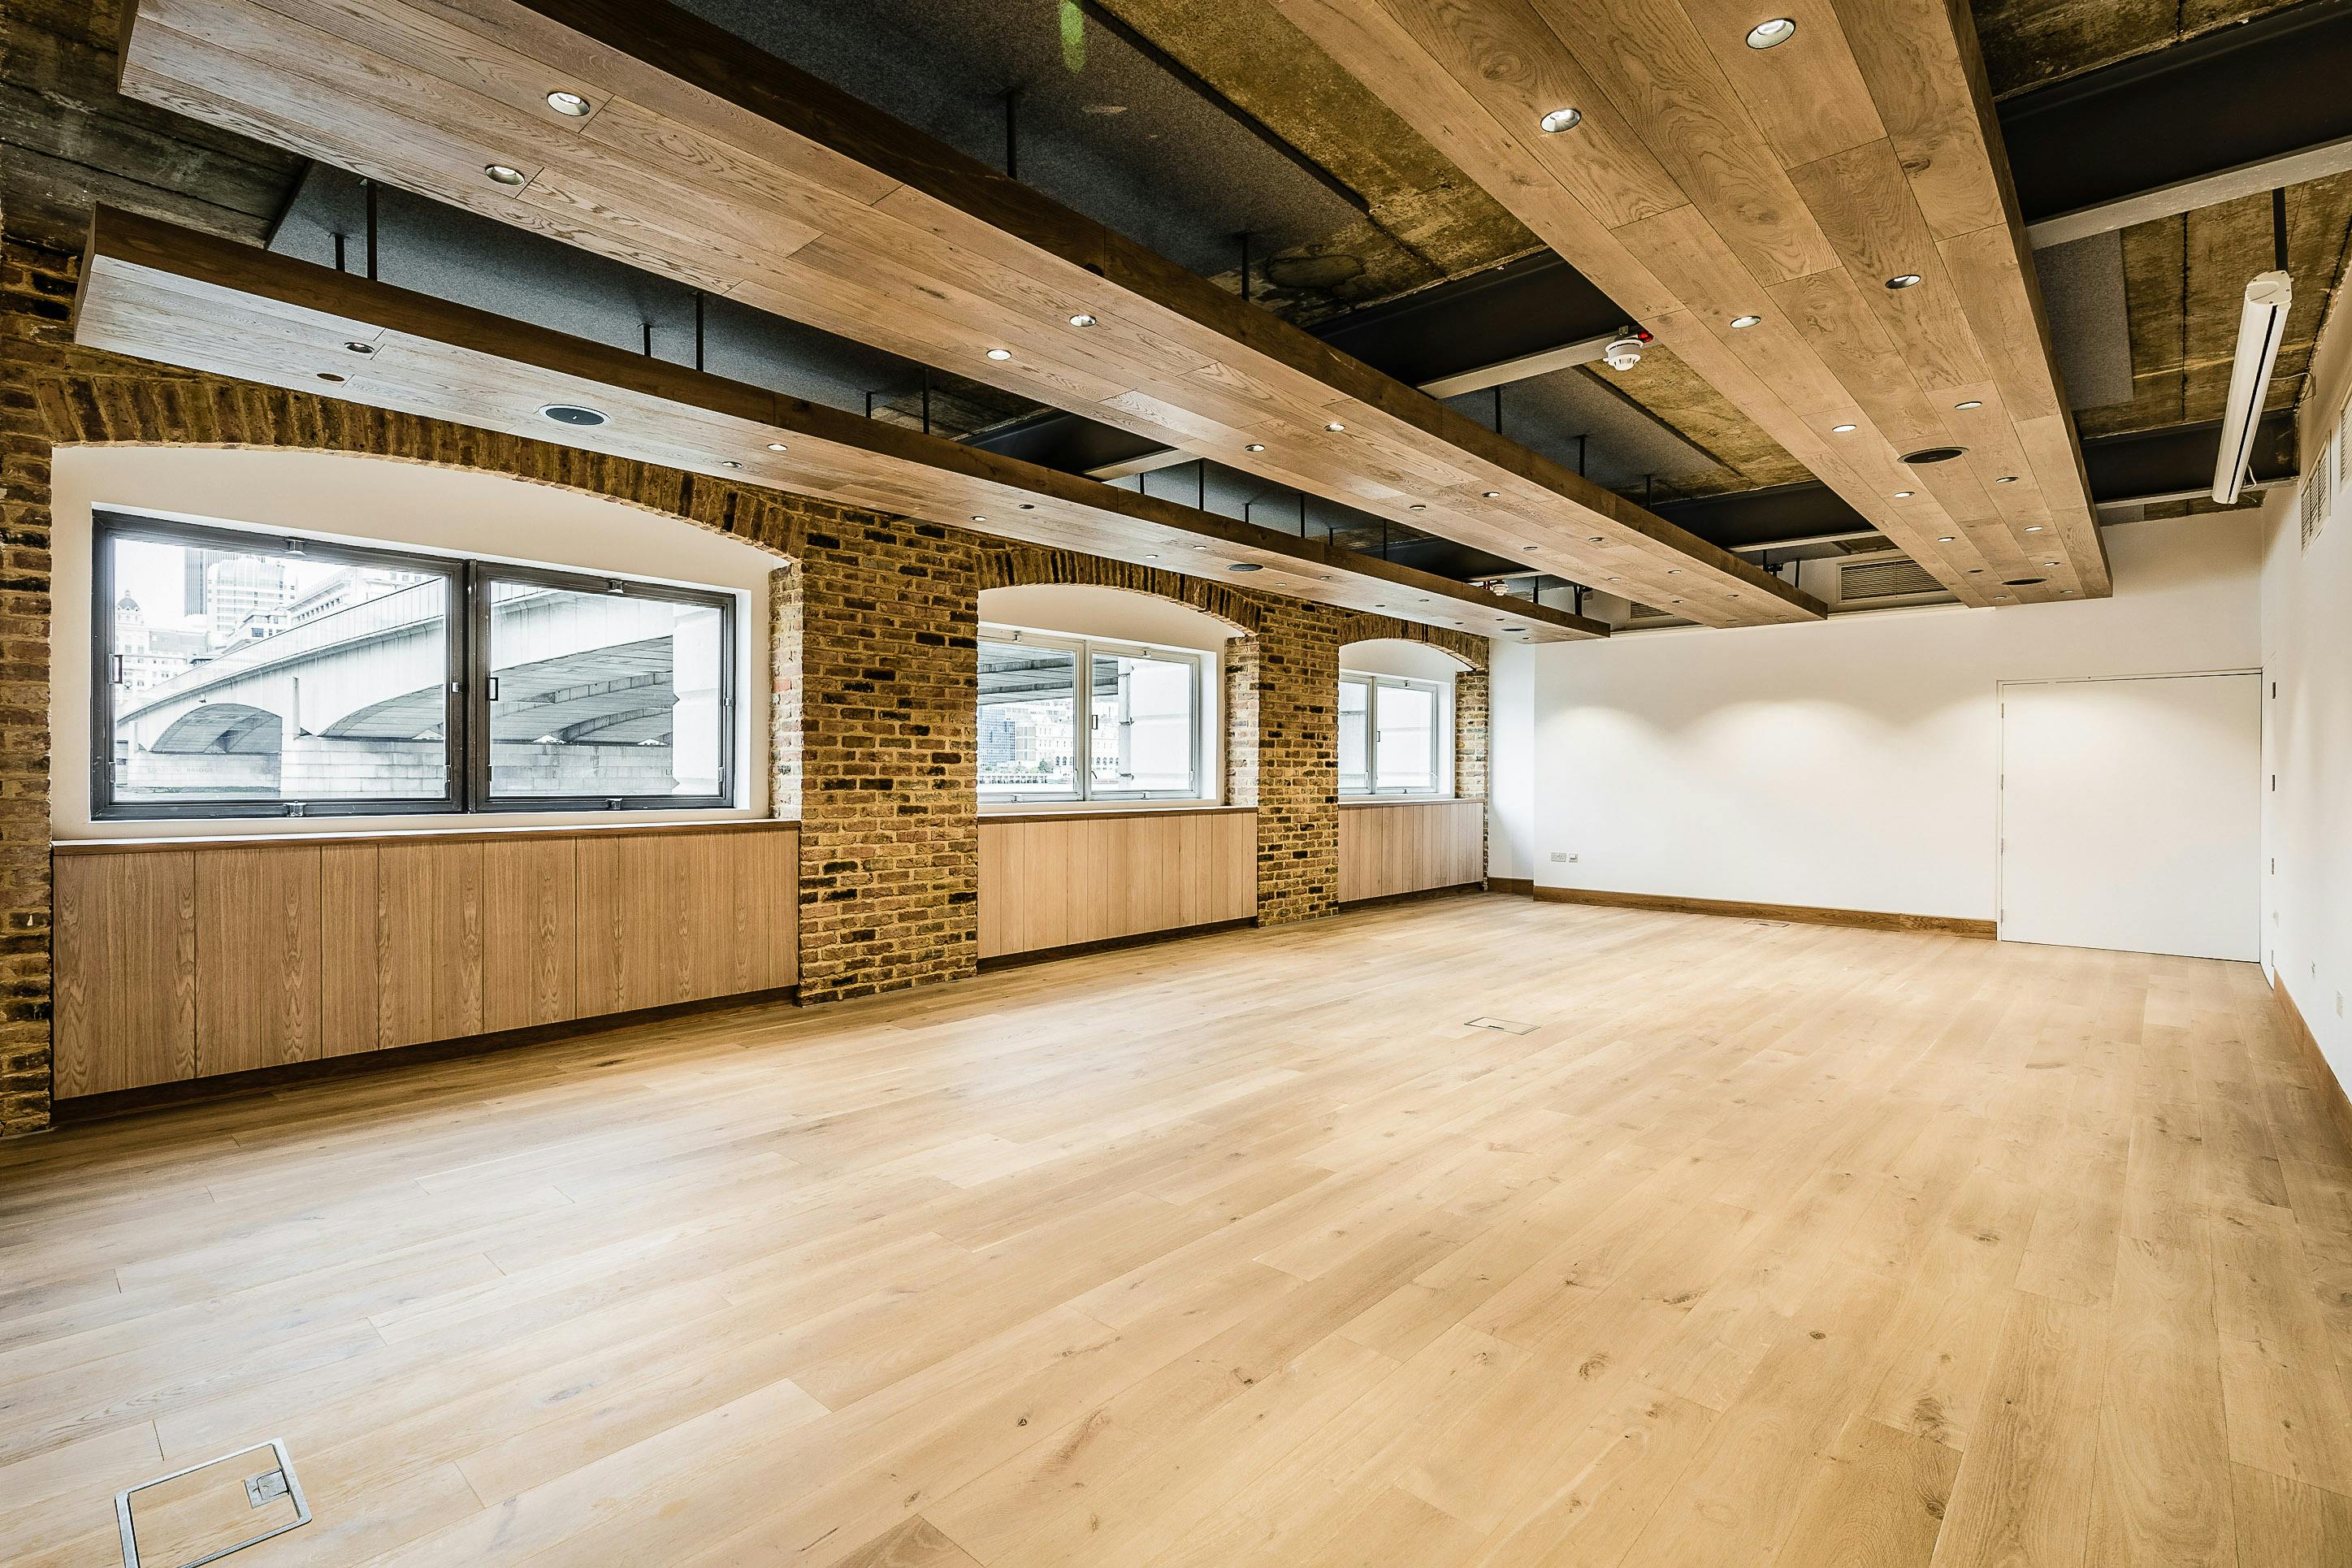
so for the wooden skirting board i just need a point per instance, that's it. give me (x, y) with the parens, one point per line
(993, 961)
(1524, 886)
(1810, 914)
(2298, 1032)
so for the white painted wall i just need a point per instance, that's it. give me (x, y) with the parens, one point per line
(1511, 772)
(1850, 763)
(2307, 737)
(1082, 609)
(435, 510)
(1396, 656)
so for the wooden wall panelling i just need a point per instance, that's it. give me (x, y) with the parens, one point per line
(126, 983)
(530, 947)
(458, 938)
(775, 859)
(222, 957)
(408, 931)
(257, 957)
(1409, 846)
(606, 982)
(1047, 882)
(351, 948)
(1000, 868)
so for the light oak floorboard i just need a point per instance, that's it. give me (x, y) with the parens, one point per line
(1764, 1246)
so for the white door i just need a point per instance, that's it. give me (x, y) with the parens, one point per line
(2131, 814)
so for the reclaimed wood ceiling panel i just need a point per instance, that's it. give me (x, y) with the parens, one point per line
(1708, 182)
(699, 159)
(162, 292)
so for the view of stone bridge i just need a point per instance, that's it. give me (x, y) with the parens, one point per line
(337, 689)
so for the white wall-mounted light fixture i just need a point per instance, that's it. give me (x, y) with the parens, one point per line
(2262, 323)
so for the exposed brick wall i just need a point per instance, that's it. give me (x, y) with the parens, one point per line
(889, 822)
(872, 734)
(1297, 692)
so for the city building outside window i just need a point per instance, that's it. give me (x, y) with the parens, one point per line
(1068, 718)
(251, 675)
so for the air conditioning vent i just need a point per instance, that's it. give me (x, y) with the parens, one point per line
(1885, 580)
(2315, 500)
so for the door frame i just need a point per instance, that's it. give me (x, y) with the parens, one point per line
(2001, 769)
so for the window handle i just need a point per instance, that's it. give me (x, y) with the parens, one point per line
(118, 670)
(494, 689)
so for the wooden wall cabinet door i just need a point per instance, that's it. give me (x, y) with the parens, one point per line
(530, 900)
(257, 957)
(126, 980)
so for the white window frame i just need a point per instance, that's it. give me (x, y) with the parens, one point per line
(1085, 789)
(1441, 761)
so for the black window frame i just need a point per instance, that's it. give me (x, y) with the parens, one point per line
(466, 661)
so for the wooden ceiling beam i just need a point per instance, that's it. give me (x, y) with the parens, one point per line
(1708, 182)
(161, 292)
(705, 161)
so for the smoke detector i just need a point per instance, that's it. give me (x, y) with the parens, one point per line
(1625, 352)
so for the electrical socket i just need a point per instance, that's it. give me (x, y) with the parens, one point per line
(1560, 856)
(2339, 1004)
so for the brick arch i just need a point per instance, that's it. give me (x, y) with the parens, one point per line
(1024, 566)
(144, 406)
(1358, 626)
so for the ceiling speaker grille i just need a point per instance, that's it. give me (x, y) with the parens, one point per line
(1885, 580)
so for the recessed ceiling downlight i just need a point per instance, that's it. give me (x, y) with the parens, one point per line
(1967, 402)
(1934, 455)
(570, 103)
(2021, 582)
(1904, 280)
(575, 414)
(1768, 34)
(777, 447)
(1561, 119)
(506, 174)
(1244, 566)
(1000, 354)
(1082, 320)
(1843, 429)
(1741, 323)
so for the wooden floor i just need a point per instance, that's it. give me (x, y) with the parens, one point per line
(1745, 1243)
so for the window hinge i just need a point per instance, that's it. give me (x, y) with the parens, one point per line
(294, 808)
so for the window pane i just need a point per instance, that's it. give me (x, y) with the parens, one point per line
(1355, 737)
(604, 694)
(1143, 723)
(1408, 749)
(253, 675)
(1028, 720)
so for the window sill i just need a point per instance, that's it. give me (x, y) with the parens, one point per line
(1031, 811)
(1349, 802)
(273, 835)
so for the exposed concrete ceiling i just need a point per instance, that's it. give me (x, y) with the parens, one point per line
(67, 139)
(1106, 125)
(2028, 43)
